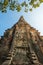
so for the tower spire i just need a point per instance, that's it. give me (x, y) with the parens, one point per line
(21, 18)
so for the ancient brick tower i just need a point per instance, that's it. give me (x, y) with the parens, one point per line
(21, 45)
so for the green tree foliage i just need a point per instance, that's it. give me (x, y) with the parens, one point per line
(16, 5)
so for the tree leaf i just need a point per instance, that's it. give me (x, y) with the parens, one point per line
(18, 8)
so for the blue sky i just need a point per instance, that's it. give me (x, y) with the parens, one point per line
(34, 18)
